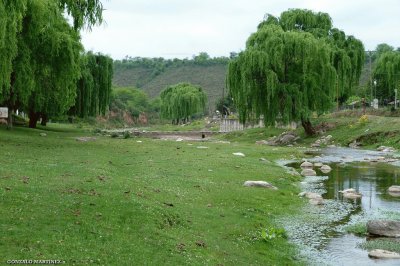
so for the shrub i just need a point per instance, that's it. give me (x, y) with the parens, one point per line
(272, 232)
(126, 135)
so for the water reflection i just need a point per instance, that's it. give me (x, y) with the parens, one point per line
(320, 230)
(372, 180)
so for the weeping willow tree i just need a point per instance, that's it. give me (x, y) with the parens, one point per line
(22, 45)
(11, 14)
(54, 55)
(179, 102)
(85, 13)
(387, 75)
(293, 66)
(94, 85)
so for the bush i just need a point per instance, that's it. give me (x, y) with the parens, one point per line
(126, 135)
(114, 135)
(272, 232)
(363, 120)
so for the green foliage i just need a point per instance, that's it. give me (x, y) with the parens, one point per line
(225, 105)
(11, 15)
(133, 100)
(352, 99)
(94, 85)
(84, 12)
(126, 135)
(181, 101)
(272, 233)
(387, 75)
(292, 67)
(40, 52)
(54, 59)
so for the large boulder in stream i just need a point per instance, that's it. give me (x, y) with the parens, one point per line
(306, 165)
(386, 228)
(308, 172)
(394, 191)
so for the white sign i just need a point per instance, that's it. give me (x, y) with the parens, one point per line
(3, 112)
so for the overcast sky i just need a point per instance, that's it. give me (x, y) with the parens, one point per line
(183, 28)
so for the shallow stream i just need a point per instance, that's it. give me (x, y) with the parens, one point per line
(320, 231)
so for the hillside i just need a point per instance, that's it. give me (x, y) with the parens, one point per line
(154, 75)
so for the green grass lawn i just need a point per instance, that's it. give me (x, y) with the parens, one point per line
(123, 202)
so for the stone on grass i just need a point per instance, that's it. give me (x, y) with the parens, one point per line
(238, 154)
(259, 184)
(318, 164)
(202, 147)
(308, 172)
(85, 139)
(179, 139)
(386, 228)
(383, 254)
(43, 134)
(306, 165)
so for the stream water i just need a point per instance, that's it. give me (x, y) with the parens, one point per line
(320, 230)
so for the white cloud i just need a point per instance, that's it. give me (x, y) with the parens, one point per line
(182, 28)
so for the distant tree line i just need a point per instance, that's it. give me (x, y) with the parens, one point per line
(42, 61)
(159, 65)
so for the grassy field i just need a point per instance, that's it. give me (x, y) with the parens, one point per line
(140, 201)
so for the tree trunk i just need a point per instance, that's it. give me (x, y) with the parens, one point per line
(308, 127)
(33, 118)
(9, 119)
(44, 120)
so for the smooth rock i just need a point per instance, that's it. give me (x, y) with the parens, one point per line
(262, 142)
(238, 154)
(383, 254)
(394, 194)
(394, 189)
(43, 134)
(306, 165)
(179, 139)
(386, 228)
(202, 147)
(259, 184)
(85, 139)
(325, 168)
(308, 172)
(318, 164)
(310, 195)
(351, 193)
(316, 201)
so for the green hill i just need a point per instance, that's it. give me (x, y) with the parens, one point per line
(154, 75)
